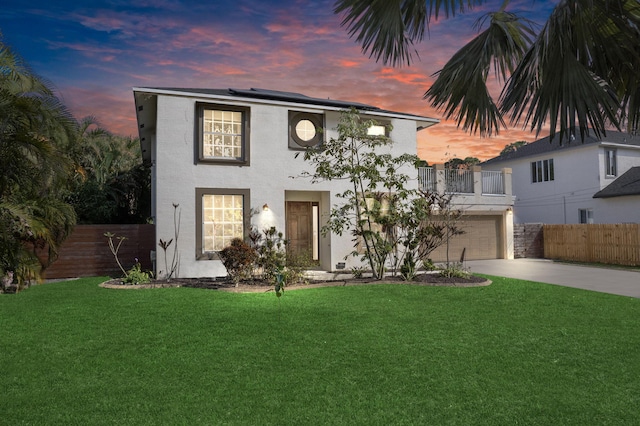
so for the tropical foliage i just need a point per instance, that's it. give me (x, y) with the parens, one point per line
(35, 129)
(578, 70)
(111, 184)
(55, 170)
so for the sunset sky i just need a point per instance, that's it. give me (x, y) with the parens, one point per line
(95, 54)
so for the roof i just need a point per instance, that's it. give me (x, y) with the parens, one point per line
(544, 145)
(627, 184)
(291, 97)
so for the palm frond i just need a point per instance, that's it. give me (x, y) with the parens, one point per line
(579, 69)
(461, 87)
(388, 29)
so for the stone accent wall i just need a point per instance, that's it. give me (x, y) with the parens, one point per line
(528, 240)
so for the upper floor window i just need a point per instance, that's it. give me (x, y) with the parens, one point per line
(305, 129)
(610, 167)
(223, 133)
(379, 128)
(542, 171)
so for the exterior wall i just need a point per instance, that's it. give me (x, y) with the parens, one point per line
(273, 175)
(617, 210)
(579, 173)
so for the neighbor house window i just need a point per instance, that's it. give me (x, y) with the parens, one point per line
(221, 216)
(610, 166)
(542, 171)
(223, 134)
(586, 215)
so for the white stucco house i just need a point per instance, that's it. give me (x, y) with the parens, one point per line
(569, 181)
(223, 154)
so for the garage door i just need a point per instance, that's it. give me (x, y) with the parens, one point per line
(482, 239)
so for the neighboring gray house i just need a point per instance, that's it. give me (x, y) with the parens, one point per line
(223, 154)
(570, 181)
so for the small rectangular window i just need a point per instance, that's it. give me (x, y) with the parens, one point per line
(610, 162)
(542, 171)
(377, 130)
(586, 215)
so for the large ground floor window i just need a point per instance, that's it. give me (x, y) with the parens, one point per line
(221, 216)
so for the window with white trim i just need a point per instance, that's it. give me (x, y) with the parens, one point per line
(221, 216)
(542, 171)
(585, 215)
(610, 166)
(223, 134)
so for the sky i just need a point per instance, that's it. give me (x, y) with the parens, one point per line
(95, 52)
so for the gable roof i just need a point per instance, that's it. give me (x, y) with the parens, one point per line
(544, 145)
(627, 184)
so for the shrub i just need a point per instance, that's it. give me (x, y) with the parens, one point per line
(428, 265)
(357, 272)
(136, 275)
(408, 270)
(455, 270)
(238, 258)
(296, 264)
(270, 247)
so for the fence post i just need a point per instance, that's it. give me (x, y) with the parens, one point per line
(441, 181)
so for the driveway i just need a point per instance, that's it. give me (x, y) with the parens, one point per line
(605, 280)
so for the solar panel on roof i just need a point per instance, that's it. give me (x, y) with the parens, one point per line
(297, 97)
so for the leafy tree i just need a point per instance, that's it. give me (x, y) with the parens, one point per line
(577, 70)
(512, 147)
(389, 220)
(34, 129)
(459, 163)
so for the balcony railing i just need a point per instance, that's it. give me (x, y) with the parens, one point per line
(461, 181)
(492, 182)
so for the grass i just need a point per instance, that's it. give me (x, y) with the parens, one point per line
(513, 352)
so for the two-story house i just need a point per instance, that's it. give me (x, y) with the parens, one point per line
(569, 181)
(230, 159)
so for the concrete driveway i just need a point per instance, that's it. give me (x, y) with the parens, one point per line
(605, 280)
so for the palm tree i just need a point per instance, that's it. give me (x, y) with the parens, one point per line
(578, 71)
(34, 129)
(111, 183)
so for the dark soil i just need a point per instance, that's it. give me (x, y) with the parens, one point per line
(260, 285)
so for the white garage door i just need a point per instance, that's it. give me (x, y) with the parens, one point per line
(482, 239)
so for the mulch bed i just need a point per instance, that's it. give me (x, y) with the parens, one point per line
(256, 286)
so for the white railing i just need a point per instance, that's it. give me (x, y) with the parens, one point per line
(461, 181)
(492, 183)
(427, 179)
(458, 181)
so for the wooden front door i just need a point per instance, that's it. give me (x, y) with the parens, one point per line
(300, 226)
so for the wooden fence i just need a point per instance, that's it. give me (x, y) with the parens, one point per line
(86, 252)
(617, 244)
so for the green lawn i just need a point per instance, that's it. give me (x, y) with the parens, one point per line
(514, 352)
